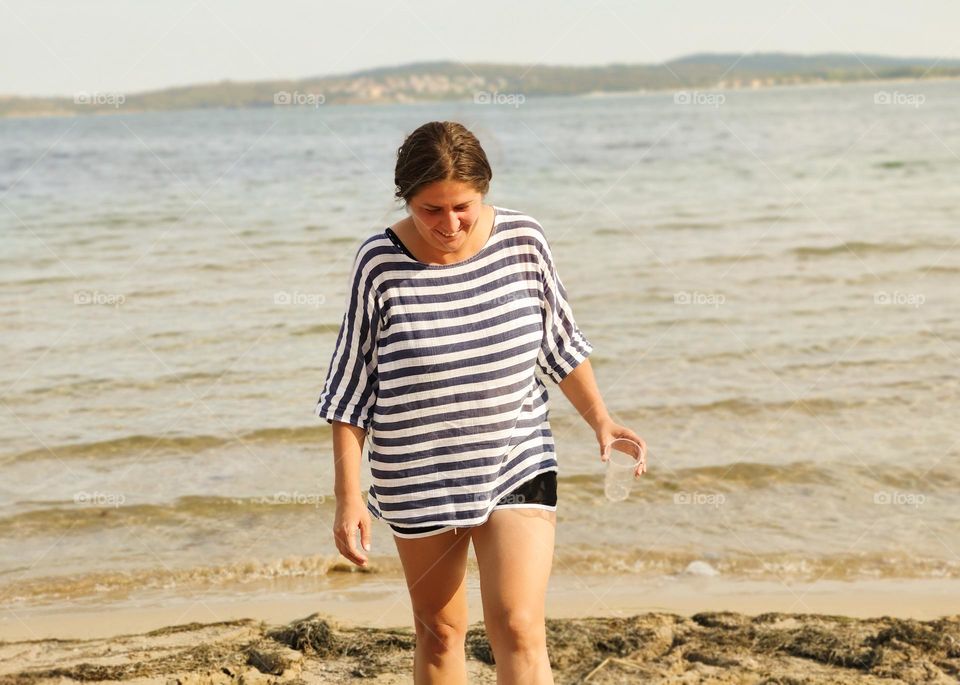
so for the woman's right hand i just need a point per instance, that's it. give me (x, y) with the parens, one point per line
(352, 514)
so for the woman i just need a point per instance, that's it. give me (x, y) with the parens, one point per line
(451, 310)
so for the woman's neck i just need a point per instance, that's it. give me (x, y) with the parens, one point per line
(476, 239)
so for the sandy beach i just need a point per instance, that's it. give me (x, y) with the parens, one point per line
(714, 647)
(868, 632)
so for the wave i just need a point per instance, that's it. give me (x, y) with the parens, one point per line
(729, 259)
(719, 477)
(785, 567)
(611, 231)
(189, 444)
(694, 225)
(318, 329)
(84, 385)
(887, 362)
(102, 511)
(743, 476)
(902, 164)
(782, 218)
(119, 584)
(42, 280)
(123, 447)
(862, 249)
(744, 406)
(336, 572)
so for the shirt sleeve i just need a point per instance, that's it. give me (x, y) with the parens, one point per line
(564, 346)
(350, 390)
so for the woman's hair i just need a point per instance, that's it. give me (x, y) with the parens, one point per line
(440, 151)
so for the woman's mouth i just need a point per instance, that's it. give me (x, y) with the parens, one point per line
(448, 236)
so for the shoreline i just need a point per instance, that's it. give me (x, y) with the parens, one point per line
(384, 604)
(713, 88)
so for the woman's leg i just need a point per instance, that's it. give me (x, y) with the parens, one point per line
(436, 568)
(514, 549)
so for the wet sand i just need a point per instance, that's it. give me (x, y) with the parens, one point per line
(715, 647)
(364, 599)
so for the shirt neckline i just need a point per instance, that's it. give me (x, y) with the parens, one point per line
(480, 252)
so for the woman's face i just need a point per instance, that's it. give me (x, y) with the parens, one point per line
(445, 214)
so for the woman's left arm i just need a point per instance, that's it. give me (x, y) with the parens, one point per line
(580, 387)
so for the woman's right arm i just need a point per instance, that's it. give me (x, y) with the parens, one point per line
(352, 513)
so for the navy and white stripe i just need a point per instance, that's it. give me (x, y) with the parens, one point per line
(438, 363)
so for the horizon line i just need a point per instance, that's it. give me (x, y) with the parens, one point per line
(366, 70)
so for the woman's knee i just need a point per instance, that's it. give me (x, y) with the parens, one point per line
(517, 630)
(441, 634)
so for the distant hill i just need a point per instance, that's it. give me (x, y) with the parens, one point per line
(431, 81)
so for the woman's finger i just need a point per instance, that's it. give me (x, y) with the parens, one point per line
(355, 555)
(631, 435)
(346, 543)
(365, 533)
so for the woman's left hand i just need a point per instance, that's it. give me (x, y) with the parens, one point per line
(609, 431)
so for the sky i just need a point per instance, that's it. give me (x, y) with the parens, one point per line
(61, 47)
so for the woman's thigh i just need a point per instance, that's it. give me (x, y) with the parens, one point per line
(435, 568)
(514, 549)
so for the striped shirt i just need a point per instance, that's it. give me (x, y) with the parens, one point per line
(437, 362)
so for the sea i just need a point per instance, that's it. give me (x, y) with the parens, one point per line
(770, 279)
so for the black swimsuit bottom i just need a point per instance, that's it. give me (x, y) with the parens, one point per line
(539, 490)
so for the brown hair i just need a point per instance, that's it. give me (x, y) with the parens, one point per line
(440, 151)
